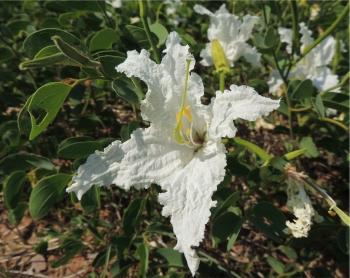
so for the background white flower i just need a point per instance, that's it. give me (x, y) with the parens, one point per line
(189, 166)
(232, 33)
(313, 66)
(299, 202)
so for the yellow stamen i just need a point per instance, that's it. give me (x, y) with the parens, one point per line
(184, 111)
(219, 58)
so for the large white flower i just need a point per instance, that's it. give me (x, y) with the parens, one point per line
(313, 66)
(181, 150)
(232, 33)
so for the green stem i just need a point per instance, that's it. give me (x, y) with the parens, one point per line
(290, 121)
(148, 31)
(329, 30)
(222, 81)
(335, 122)
(296, 43)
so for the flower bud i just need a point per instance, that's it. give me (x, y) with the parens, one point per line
(219, 58)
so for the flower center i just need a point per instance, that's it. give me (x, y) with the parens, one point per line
(184, 133)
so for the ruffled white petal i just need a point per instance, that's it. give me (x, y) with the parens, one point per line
(99, 169)
(238, 102)
(147, 157)
(247, 25)
(252, 55)
(286, 36)
(165, 82)
(299, 202)
(187, 199)
(306, 35)
(323, 79)
(150, 157)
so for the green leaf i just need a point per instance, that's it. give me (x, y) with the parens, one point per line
(23, 119)
(253, 148)
(342, 215)
(289, 252)
(12, 188)
(127, 130)
(139, 35)
(5, 54)
(259, 85)
(225, 226)
(91, 200)
(229, 201)
(294, 154)
(174, 258)
(44, 62)
(45, 104)
(78, 147)
(103, 39)
(268, 219)
(125, 90)
(271, 38)
(42, 38)
(303, 90)
(69, 247)
(72, 53)
(41, 247)
(132, 215)
(234, 234)
(16, 214)
(276, 265)
(24, 161)
(72, 5)
(338, 101)
(109, 63)
(319, 107)
(47, 193)
(308, 144)
(160, 31)
(48, 56)
(143, 254)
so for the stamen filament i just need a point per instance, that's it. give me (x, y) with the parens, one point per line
(184, 110)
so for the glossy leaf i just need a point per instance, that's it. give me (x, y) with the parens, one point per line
(269, 220)
(12, 188)
(103, 39)
(45, 104)
(47, 193)
(132, 215)
(42, 38)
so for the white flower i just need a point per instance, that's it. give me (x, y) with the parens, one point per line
(314, 11)
(232, 33)
(313, 66)
(170, 10)
(181, 150)
(299, 202)
(116, 3)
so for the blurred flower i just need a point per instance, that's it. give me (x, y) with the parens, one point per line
(299, 202)
(313, 66)
(232, 34)
(181, 150)
(170, 10)
(116, 3)
(314, 11)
